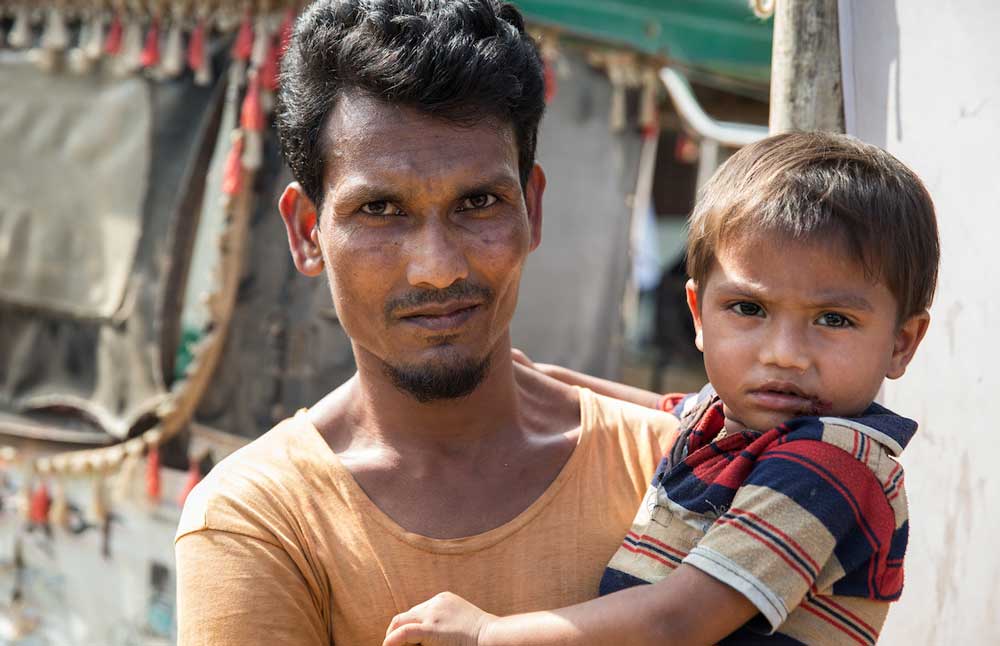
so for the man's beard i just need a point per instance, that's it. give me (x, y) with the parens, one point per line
(453, 376)
(430, 383)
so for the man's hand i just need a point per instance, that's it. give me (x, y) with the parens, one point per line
(444, 620)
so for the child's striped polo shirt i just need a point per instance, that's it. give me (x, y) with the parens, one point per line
(807, 520)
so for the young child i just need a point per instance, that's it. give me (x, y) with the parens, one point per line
(779, 514)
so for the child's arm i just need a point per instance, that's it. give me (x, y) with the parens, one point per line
(688, 607)
(598, 385)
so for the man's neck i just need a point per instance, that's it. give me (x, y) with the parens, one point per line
(443, 469)
(377, 412)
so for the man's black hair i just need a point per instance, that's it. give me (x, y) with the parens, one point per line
(460, 60)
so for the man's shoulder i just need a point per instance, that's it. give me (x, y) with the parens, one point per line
(252, 489)
(629, 422)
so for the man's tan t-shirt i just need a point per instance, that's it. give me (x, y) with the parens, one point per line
(279, 544)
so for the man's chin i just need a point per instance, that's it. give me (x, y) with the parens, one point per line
(439, 380)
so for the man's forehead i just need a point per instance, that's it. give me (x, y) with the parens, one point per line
(366, 135)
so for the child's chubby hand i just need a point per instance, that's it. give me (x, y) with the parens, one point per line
(443, 620)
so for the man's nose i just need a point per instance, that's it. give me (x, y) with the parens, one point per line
(785, 346)
(436, 256)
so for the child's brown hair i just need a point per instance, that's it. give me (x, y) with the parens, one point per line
(815, 186)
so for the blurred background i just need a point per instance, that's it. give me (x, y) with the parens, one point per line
(151, 320)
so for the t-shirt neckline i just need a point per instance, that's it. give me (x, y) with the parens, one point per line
(343, 480)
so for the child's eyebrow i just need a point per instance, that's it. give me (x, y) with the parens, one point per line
(821, 300)
(838, 300)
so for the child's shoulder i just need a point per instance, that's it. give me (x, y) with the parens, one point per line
(876, 439)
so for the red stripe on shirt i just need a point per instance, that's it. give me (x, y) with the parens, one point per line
(788, 539)
(769, 545)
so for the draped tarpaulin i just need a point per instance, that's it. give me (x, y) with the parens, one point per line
(64, 247)
(96, 172)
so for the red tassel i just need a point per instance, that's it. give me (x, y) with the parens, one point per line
(251, 114)
(196, 47)
(38, 508)
(269, 70)
(551, 85)
(151, 52)
(113, 41)
(153, 474)
(243, 46)
(193, 478)
(232, 175)
(285, 32)
(686, 149)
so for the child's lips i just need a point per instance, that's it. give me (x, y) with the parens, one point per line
(786, 401)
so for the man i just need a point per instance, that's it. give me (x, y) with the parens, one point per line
(410, 127)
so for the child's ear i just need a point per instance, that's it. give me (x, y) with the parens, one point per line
(908, 337)
(691, 288)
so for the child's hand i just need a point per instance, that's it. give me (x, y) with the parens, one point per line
(544, 368)
(444, 620)
(521, 358)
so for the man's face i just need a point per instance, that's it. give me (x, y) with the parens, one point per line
(790, 329)
(423, 231)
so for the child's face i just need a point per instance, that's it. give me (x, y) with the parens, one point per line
(791, 328)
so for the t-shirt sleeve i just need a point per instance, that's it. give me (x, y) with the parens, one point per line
(243, 577)
(240, 590)
(808, 514)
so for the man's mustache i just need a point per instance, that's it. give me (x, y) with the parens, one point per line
(459, 291)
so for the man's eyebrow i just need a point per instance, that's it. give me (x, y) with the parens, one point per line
(362, 191)
(502, 182)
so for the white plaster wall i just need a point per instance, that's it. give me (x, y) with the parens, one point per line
(922, 79)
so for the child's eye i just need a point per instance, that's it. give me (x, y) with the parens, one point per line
(832, 319)
(381, 208)
(744, 308)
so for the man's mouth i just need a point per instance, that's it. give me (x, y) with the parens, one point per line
(441, 317)
(787, 397)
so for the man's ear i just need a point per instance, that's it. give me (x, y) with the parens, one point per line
(908, 338)
(299, 215)
(533, 202)
(691, 289)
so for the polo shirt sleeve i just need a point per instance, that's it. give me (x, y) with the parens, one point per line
(808, 516)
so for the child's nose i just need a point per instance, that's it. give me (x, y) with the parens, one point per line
(785, 346)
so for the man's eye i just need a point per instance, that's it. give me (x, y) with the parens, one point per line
(477, 202)
(380, 207)
(744, 308)
(832, 319)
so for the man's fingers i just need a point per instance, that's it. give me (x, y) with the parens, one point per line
(405, 634)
